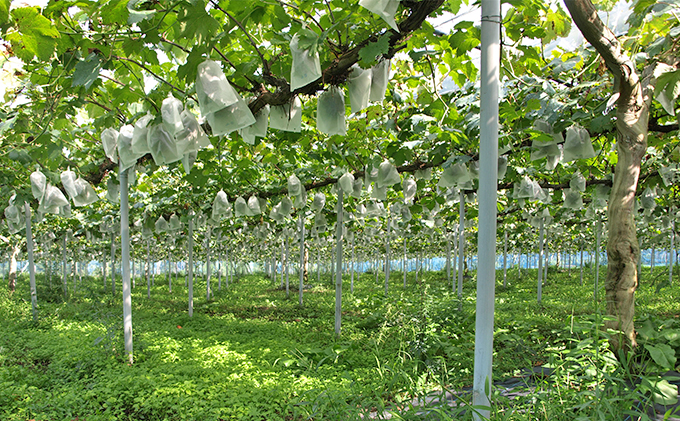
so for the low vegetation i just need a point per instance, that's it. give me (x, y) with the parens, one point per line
(250, 353)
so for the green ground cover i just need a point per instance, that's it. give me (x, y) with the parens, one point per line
(252, 354)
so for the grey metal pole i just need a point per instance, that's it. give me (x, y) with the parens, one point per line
(125, 260)
(598, 228)
(540, 262)
(190, 265)
(387, 255)
(31, 262)
(461, 244)
(505, 259)
(302, 255)
(488, 181)
(338, 274)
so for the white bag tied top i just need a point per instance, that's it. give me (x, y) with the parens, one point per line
(319, 201)
(127, 156)
(386, 9)
(409, 188)
(257, 129)
(527, 189)
(140, 144)
(647, 200)
(112, 190)
(38, 185)
(174, 225)
(163, 145)
(380, 77)
(50, 198)
(387, 175)
(212, 88)
(455, 175)
(578, 182)
(357, 187)
(231, 118)
(240, 207)
(502, 166)
(294, 186)
(220, 206)
(330, 112)
(359, 85)
(78, 189)
(346, 183)
(161, 225)
(171, 110)
(306, 66)
(53, 200)
(110, 142)
(14, 217)
(572, 199)
(578, 144)
(286, 206)
(191, 138)
(254, 205)
(287, 117)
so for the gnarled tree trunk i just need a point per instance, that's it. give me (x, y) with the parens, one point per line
(632, 114)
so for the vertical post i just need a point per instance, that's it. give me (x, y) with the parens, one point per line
(283, 262)
(581, 263)
(505, 259)
(113, 264)
(228, 271)
(302, 255)
(488, 182)
(447, 238)
(125, 260)
(404, 265)
(354, 262)
(672, 253)
(31, 263)
(208, 234)
(598, 228)
(190, 264)
(387, 255)
(148, 268)
(461, 244)
(540, 262)
(287, 260)
(63, 251)
(338, 272)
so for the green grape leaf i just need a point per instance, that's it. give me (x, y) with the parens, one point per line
(4, 11)
(369, 54)
(36, 35)
(87, 71)
(115, 12)
(198, 23)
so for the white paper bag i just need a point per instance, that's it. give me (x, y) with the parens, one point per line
(171, 110)
(330, 112)
(231, 118)
(287, 117)
(380, 77)
(212, 88)
(386, 9)
(359, 86)
(306, 67)
(110, 143)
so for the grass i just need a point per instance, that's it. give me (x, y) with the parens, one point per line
(251, 353)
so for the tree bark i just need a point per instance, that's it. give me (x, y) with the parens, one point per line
(12, 275)
(632, 115)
